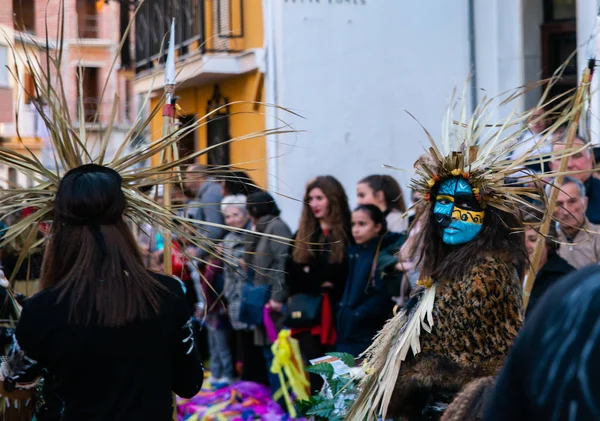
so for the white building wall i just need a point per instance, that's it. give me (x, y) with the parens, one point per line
(351, 68)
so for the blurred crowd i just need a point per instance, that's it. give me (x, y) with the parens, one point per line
(341, 275)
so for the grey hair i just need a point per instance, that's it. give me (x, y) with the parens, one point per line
(566, 180)
(238, 201)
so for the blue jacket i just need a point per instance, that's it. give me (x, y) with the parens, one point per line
(366, 303)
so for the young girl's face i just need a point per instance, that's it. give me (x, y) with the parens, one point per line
(363, 227)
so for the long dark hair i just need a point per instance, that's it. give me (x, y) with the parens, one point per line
(92, 257)
(502, 235)
(339, 214)
(237, 182)
(392, 192)
(260, 204)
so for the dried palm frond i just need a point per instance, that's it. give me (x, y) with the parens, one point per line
(71, 147)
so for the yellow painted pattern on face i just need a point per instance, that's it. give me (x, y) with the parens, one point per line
(444, 197)
(468, 215)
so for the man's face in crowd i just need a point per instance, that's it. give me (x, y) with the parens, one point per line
(193, 182)
(579, 161)
(570, 206)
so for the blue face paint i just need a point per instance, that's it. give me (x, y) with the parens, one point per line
(457, 212)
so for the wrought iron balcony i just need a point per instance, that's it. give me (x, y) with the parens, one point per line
(201, 26)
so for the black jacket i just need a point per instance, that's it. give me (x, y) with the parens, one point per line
(592, 191)
(551, 370)
(307, 279)
(106, 373)
(555, 268)
(367, 303)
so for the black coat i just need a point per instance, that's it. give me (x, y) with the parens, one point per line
(592, 191)
(108, 373)
(367, 303)
(551, 370)
(555, 268)
(307, 278)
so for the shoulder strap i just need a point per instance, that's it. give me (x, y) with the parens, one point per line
(375, 258)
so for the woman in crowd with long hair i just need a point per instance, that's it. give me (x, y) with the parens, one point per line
(113, 338)
(384, 192)
(317, 268)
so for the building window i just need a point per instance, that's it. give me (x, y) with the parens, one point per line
(29, 87)
(559, 41)
(557, 10)
(90, 92)
(12, 178)
(128, 101)
(217, 129)
(3, 64)
(24, 15)
(87, 19)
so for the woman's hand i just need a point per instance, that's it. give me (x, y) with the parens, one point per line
(404, 266)
(242, 265)
(327, 285)
(275, 306)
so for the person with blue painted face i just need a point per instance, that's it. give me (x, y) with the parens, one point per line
(468, 254)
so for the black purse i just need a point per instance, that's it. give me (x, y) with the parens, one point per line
(303, 310)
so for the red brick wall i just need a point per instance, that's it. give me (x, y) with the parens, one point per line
(7, 114)
(47, 12)
(6, 13)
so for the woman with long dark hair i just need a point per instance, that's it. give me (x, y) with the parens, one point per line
(384, 192)
(113, 337)
(318, 267)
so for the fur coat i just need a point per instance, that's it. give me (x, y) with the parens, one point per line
(476, 320)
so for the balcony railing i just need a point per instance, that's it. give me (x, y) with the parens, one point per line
(201, 25)
(88, 26)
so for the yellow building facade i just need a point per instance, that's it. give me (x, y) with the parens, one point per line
(219, 63)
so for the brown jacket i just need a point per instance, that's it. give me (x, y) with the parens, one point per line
(583, 249)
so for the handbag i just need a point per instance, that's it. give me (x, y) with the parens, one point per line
(253, 301)
(303, 310)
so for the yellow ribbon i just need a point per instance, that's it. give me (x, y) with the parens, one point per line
(287, 360)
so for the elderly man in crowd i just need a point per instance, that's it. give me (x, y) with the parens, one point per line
(580, 239)
(582, 163)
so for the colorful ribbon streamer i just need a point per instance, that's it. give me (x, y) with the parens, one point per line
(242, 401)
(287, 360)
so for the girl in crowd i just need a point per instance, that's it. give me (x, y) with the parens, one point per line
(233, 249)
(106, 331)
(266, 257)
(384, 192)
(367, 302)
(318, 268)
